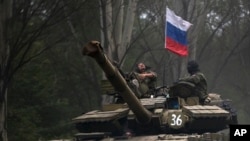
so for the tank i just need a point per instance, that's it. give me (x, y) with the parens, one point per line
(171, 113)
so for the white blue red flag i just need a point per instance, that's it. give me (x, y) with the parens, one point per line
(176, 33)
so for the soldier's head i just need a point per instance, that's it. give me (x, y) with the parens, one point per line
(192, 67)
(141, 67)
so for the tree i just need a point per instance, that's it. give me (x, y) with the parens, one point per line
(5, 15)
(25, 28)
(117, 33)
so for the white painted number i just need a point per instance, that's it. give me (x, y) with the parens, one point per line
(176, 120)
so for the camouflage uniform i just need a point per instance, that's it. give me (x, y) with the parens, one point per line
(200, 82)
(147, 84)
(143, 87)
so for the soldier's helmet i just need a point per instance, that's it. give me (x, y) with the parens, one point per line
(192, 67)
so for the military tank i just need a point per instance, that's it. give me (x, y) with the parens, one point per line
(170, 113)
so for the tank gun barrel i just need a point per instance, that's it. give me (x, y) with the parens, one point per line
(94, 49)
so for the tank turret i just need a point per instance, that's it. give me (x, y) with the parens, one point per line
(171, 110)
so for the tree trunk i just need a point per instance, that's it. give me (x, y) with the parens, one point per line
(180, 69)
(119, 7)
(109, 27)
(185, 9)
(5, 15)
(128, 27)
(3, 115)
(116, 28)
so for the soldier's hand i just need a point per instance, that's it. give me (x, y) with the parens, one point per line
(142, 76)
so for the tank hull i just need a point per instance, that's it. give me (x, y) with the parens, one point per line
(178, 117)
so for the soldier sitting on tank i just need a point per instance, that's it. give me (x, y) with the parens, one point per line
(143, 80)
(199, 80)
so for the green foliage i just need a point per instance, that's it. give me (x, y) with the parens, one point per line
(50, 96)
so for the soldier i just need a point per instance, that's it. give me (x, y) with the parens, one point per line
(144, 80)
(199, 80)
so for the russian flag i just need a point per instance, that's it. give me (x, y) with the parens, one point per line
(176, 33)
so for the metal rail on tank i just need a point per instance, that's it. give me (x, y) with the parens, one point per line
(94, 50)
